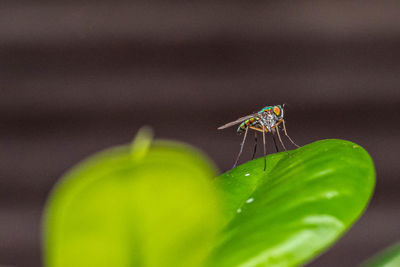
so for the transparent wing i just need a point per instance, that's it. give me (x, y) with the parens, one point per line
(237, 121)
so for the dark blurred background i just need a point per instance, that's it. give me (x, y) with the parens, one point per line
(80, 76)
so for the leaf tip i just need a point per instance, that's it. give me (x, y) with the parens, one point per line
(141, 143)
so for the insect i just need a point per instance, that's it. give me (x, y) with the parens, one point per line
(268, 119)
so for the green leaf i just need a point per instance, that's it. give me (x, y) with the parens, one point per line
(155, 204)
(149, 204)
(294, 210)
(390, 257)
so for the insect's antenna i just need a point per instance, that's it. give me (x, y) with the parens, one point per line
(255, 145)
(284, 130)
(265, 149)
(280, 140)
(241, 148)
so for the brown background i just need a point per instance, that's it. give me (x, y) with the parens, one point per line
(77, 77)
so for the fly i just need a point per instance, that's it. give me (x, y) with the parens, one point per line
(267, 120)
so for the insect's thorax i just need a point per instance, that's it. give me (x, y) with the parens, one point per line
(270, 120)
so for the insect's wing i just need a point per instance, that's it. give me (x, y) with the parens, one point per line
(237, 121)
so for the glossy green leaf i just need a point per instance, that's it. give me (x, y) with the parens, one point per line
(294, 210)
(390, 257)
(144, 205)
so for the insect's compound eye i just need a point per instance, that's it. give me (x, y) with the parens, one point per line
(277, 111)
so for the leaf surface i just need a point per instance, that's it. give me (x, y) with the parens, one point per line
(294, 210)
(390, 257)
(145, 205)
(159, 205)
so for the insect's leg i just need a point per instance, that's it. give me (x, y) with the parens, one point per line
(280, 140)
(241, 148)
(265, 150)
(284, 129)
(255, 145)
(273, 137)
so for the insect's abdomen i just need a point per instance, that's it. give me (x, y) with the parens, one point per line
(250, 122)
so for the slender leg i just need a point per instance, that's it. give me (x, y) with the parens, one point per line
(241, 148)
(280, 140)
(265, 150)
(284, 129)
(255, 145)
(276, 146)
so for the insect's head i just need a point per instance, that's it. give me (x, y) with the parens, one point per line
(271, 115)
(275, 111)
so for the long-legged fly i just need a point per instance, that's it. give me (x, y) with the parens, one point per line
(268, 120)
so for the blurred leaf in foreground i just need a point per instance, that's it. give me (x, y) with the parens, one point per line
(390, 257)
(151, 204)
